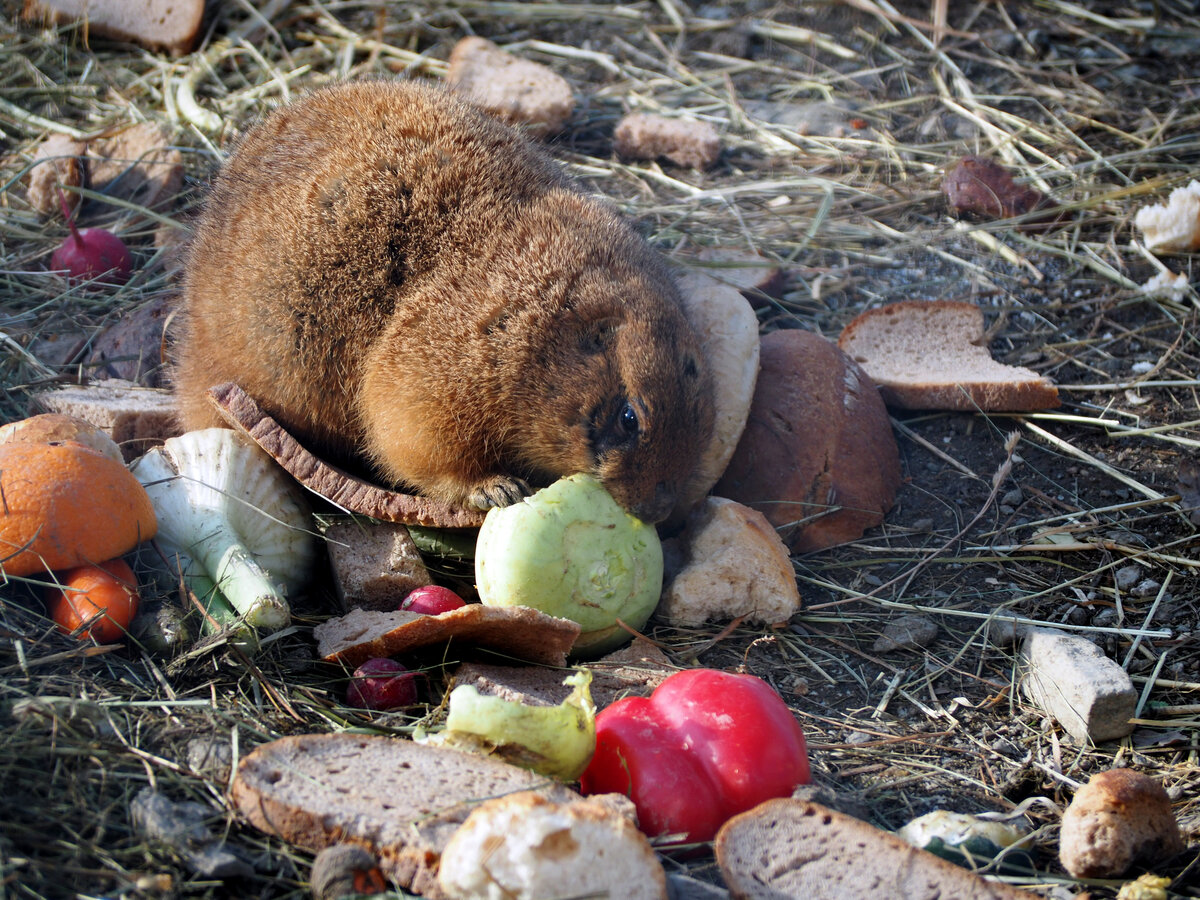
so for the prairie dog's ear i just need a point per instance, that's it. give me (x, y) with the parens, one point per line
(595, 319)
(596, 336)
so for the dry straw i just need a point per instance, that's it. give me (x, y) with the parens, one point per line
(838, 122)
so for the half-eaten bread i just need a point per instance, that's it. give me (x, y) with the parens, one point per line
(927, 354)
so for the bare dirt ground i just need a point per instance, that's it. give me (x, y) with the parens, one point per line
(838, 123)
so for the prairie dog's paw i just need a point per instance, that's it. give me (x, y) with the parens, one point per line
(499, 490)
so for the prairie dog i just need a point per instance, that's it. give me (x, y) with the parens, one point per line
(400, 279)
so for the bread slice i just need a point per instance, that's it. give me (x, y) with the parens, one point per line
(926, 354)
(795, 848)
(517, 632)
(136, 417)
(173, 25)
(400, 800)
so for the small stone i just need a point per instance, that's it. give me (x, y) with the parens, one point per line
(1004, 631)
(211, 756)
(516, 90)
(685, 142)
(1147, 587)
(1118, 818)
(1127, 576)
(345, 870)
(1071, 679)
(1013, 498)
(909, 632)
(375, 564)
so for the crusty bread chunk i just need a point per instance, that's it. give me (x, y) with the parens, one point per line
(400, 800)
(1120, 816)
(725, 322)
(737, 565)
(795, 848)
(526, 847)
(1175, 225)
(925, 354)
(172, 25)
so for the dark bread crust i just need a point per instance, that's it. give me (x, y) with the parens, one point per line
(399, 279)
(795, 848)
(518, 632)
(341, 488)
(400, 800)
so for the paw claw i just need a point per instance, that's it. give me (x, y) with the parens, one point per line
(501, 490)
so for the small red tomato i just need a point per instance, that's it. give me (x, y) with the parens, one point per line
(431, 600)
(382, 683)
(98, 600)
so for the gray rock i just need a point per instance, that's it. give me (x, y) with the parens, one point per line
(1127, 576)
(211, 756)
(184, 828)
(682, 887)
(909, 632)
(1147, 587)
(1069, 677)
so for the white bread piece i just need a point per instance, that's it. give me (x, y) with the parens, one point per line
(400, 800)
(727, 327)
(925, 354)
(526, 847)
(737, 565)
(797, 849)
(47, 428)
(1175, 225)
(1118, 817)
(172, 25)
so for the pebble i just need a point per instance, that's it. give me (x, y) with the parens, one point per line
(1147, 587)
(1118, 818)
(908, 632)
(1067, 676)
(1013, 497)
(1127, 576)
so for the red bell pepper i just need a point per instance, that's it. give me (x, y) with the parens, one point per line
(705, 746)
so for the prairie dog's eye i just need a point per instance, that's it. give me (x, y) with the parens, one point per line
(627, 420)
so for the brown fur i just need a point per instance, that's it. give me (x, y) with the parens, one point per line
(398, 277)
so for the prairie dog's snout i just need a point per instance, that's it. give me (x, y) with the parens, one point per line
(399, 279)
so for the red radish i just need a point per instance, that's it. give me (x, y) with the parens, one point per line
(92, 254)
(431, 600)
(382, 683)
